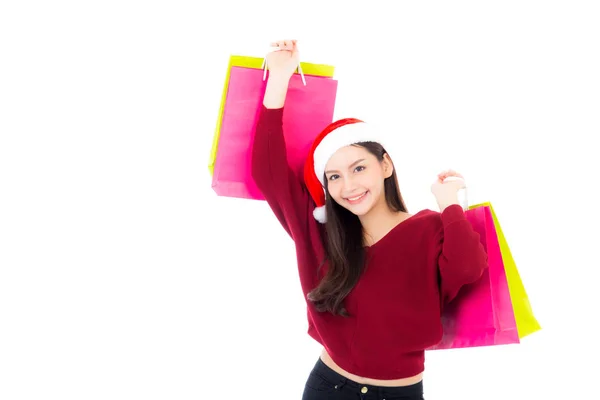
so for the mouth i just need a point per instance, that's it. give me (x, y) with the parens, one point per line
(356, 199)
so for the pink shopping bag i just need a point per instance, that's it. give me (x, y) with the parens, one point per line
(482, 314)
(308, 109)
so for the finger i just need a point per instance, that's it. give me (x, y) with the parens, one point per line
(456, 184)
(449, 173)
(290, 44)
(459, 184)
(452, 172)
(279, 43)
(455, 175)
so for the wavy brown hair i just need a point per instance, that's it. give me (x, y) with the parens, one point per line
(344, 246)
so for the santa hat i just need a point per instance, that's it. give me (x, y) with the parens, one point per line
(336, 135)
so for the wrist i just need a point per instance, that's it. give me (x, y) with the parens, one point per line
(445, 203)
(279, 78)
(276, 91)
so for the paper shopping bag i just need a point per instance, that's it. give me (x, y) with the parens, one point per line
(526, 321)
(308, 109)
(482, 313)
(255, 63)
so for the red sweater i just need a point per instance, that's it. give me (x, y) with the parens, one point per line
(395, 308)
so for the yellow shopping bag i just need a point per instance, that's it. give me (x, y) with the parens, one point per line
(257, 63)
(526, 321)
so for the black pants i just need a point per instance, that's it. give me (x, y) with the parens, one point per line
(324, 383)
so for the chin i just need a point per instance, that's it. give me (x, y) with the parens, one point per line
(361, 212)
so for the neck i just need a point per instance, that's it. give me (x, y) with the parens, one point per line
(378, 222)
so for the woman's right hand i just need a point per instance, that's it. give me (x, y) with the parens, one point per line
(283, 62)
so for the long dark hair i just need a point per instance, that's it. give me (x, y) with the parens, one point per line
(344, 246)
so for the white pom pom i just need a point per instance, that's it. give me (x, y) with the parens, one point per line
(319, 214)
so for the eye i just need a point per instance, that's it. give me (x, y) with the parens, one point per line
(359, 168)
(333, 177)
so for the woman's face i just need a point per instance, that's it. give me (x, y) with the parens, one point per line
(355, 179)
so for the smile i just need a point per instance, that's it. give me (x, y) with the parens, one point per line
(356, 199)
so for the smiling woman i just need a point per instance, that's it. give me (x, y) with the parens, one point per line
(374, 304)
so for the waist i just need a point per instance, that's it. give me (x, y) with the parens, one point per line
(408, 381)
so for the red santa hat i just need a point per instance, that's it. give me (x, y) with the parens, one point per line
(336, 135)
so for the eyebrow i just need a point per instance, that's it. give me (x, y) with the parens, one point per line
(351, 165)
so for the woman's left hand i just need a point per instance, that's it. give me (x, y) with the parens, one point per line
(446, 187)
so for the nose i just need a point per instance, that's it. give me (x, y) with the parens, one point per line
(349, 185)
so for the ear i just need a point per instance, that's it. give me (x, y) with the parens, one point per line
(387, 165)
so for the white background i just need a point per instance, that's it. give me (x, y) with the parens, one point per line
(124, 276)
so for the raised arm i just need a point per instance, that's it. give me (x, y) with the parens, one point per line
(283, 190)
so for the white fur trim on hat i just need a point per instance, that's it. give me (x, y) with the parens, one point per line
(345, 135)
(320, 215)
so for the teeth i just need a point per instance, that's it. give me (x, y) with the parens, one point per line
(357, 197)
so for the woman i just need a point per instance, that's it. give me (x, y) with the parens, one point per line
(375, 277)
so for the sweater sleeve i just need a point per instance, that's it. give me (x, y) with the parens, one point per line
(463, 258)
(282, 189)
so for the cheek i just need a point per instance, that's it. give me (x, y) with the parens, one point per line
(375, 185)
(334, 190)
(373, 181)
